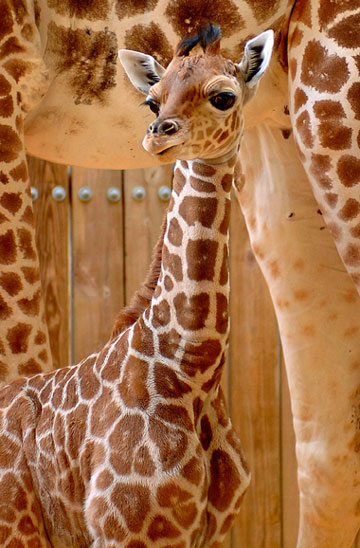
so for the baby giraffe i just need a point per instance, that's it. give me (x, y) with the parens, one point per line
(133, 447)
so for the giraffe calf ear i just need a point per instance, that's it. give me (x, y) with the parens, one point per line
(256, 59)
(143, 70)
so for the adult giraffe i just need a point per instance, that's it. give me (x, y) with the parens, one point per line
(69, 48)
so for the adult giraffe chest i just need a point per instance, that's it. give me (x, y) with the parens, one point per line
(87, 88)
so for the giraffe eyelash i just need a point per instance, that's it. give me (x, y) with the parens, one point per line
(153, 105)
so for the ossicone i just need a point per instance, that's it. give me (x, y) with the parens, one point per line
(208, 38)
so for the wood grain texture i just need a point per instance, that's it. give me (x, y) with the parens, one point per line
(254, 392)
(52, 239)
(142, 222)
(97, 260)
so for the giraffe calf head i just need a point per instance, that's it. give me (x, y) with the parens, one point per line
(198, 99)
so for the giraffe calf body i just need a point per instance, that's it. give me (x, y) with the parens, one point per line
(120, 461)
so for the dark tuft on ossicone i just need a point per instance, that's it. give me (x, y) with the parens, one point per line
(209, 34)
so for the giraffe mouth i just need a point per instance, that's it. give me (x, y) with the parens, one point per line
(164, 152)
(161, 147)
(168, 149)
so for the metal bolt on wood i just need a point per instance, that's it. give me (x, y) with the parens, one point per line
(85, 194)
(164, 193)
(58, 193)
(139, 193)
(34, 193)
(114, 194)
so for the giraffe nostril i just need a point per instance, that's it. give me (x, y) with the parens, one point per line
(152, 128)
(168, 126)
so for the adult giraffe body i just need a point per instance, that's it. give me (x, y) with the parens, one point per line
(314, 297)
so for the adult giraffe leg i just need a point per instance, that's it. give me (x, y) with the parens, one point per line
(318, 311)
(24, 345)
(324, 80)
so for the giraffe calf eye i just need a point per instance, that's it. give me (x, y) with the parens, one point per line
(153, 105)
(223, 100)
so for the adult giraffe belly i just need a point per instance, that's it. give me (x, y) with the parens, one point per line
(99, 135)
(90, 115)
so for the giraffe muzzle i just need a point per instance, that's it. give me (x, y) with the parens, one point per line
(164, 127)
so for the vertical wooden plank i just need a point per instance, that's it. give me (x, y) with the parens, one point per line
(52, 239)
(97, 240)
(142, 221)
(254, 392)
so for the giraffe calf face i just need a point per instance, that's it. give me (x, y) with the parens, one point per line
(198, 103)
(199, 98)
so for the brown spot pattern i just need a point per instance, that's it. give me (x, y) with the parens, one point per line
(192, 312)
(203, 169)
(334, 135)
(80, 9)
(168, 383)
(348, 169)
(133, 388)
(224, 271)
(17, 68)
(192, 470)
(172, 264)
(90, 57)
(300, 99)
(161, 314)
(352, 255)
(7, 248)
(202, 210)
(303, 126)
(187, 17)
(31, 307)
(224, 225)
(143, 338)
(201, 186)
(18, 338)
(329, 10)
(175, 233)
(133, 501)
(225, 480)
(11, 283)
(354, 99)
(26, 243)
(322, 71)
(201, 258)
(149, 39)
(10, 144)
(20, 172)
(5, 87)
(206, 434)
(143, 463)
(160, 527)
(350, 210)
(320, 165)
(123, 440)
(346, 32)
(171, 442)
(222, 313)
(6, 106)
(200, 356)
(175, 414)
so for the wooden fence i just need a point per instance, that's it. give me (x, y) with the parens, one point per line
(95, 254)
